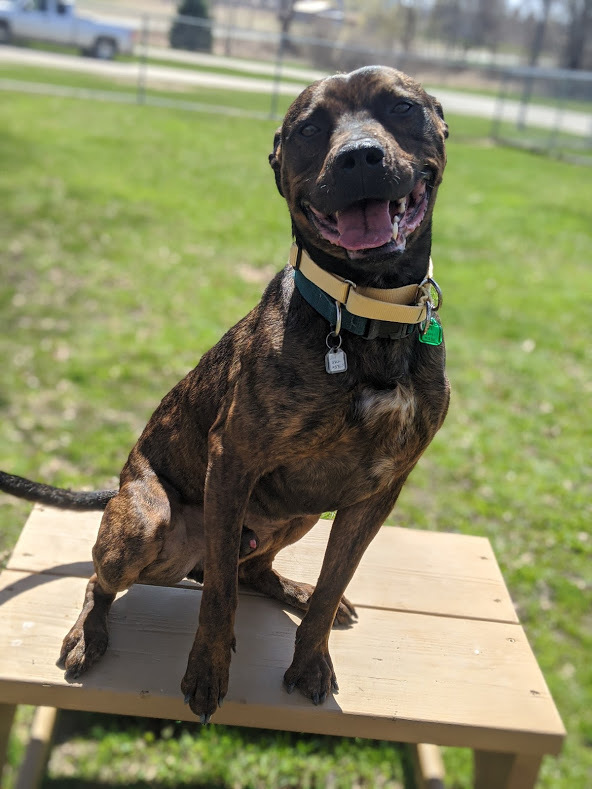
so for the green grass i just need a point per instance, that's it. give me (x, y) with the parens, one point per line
(256, 103)
(561, 145)
(134, 236)
(174, 754)
(514, 91)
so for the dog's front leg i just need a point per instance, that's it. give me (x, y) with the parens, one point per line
(227, 490)
(353, 530)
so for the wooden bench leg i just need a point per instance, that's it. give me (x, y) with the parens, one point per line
(429, 767)
(6, 717)
(506, 770)
(33, 766)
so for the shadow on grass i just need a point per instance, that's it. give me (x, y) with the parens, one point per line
(95, 727)
(77, 783)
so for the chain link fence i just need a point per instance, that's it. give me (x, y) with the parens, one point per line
(546, 110)
(240, 62)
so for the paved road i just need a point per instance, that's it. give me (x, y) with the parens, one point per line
(579, 123)
(156, 76)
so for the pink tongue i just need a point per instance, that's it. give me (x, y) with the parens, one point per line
(365, 225)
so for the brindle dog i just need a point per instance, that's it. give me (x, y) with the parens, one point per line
(259, 436)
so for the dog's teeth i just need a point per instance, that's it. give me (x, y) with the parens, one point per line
(395, 228)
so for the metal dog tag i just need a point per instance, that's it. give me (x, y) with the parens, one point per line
(335, 361)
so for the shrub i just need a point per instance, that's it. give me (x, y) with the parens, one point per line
(186, 34)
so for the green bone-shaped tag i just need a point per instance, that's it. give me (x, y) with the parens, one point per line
(434, 334)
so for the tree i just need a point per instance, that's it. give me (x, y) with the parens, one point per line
(579, 27)
(539, 33)
(192, 35)
(487, 15)
(409, 26)
(286, 12)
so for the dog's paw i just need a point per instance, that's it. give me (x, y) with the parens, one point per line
(313, 675)
(346, 613)
(205, 683)
(81, 650)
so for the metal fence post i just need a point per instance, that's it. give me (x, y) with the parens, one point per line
(277, 77)
(230, 21)
(143, 60)
(561, 97)
(524, 102)
(499, 107)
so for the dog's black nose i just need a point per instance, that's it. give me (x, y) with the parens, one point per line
(362, 155)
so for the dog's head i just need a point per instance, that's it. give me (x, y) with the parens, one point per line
(359, 158)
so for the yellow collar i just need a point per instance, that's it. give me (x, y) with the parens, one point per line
(409, 304)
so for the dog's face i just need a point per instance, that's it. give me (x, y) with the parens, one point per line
(359, 158)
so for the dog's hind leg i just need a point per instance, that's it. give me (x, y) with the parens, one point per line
(87, 640)
(248, 544)
(130, 539)
(259, 575)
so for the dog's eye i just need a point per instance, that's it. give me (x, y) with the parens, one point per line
(401, 107)
(309, 130)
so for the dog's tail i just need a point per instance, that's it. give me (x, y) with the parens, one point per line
(54, 497)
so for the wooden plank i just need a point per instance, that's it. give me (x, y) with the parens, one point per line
(429, 767)
(506, 770)
(403, 677)
(33, 765)
(6, 718)
(403, 569)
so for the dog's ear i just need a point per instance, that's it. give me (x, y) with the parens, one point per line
(275, 159)
(440, 112)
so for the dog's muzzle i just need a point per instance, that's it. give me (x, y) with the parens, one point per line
(370, 223)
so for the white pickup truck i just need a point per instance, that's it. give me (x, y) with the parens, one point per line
(56, 21)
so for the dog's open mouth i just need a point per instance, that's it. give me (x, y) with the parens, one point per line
(370, 224)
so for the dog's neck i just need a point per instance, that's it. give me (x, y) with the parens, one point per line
(368, 312)
(407, 268)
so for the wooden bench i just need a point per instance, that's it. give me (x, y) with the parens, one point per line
(437, 656)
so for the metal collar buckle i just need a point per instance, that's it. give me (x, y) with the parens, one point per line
(337, 328)
(436, 287)
(351, 285)
(425, 325)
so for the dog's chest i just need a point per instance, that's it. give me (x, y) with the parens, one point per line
(391, 428)
(363, 445)
(381, 410)
(372, 446)
(386, 426)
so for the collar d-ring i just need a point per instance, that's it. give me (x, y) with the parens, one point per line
(423, 327)
(337, 318)
(433, 284)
